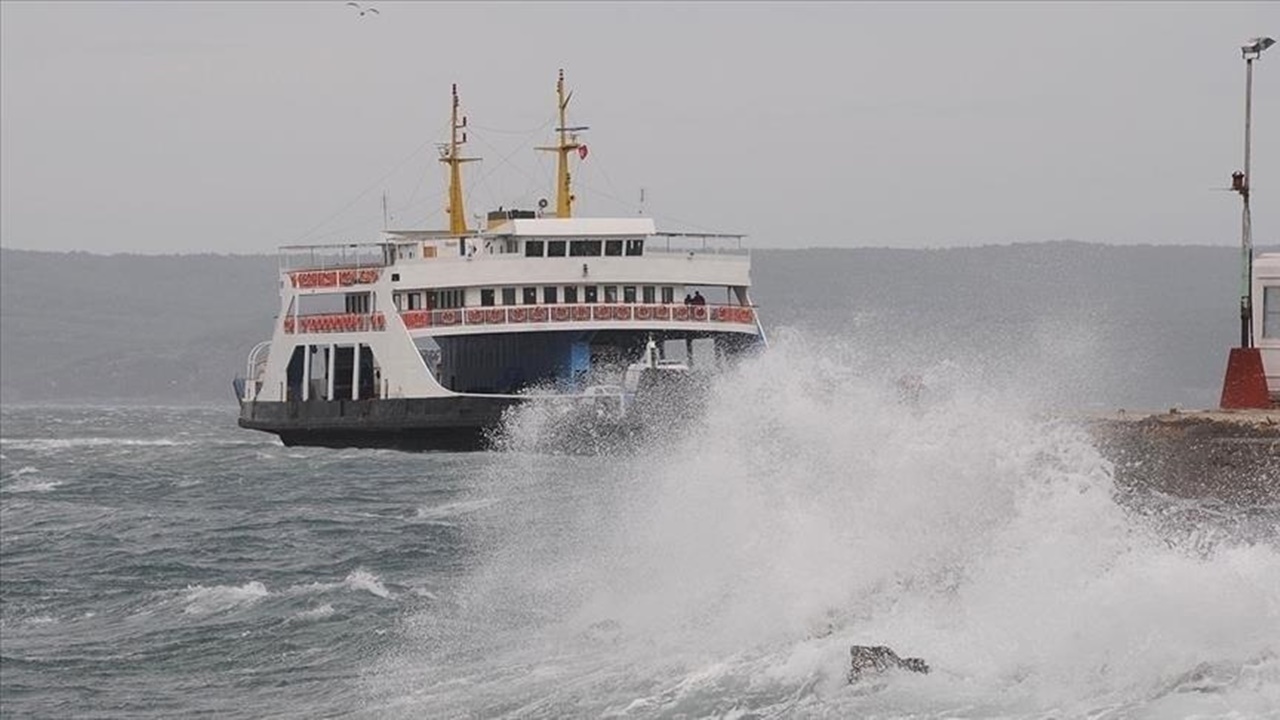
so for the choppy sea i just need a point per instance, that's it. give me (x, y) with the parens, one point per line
(159, 562)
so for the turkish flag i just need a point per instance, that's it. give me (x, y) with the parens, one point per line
(582, 152)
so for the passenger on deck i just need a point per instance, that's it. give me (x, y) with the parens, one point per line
(688, 299)
(698, 299)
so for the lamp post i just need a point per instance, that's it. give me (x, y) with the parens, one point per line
(1240, 183)
(1245, 386)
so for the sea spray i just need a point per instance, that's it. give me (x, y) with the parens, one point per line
(729, 568)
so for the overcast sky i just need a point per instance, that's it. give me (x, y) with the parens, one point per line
(237, 127)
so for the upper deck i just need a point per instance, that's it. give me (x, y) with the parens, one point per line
(532, 250)
(517, 250)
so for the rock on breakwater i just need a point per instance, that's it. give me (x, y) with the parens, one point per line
(1228, 455)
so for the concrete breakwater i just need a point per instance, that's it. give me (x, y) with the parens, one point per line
(1232, 456)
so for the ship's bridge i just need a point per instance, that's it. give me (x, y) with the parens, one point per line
(519, 254)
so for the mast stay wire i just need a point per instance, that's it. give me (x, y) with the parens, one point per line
(422, 179)
(349, 228)
(490, 168)
(542, 177)
(506, 159)
(623, 203)
(483, 178)
(364, 192)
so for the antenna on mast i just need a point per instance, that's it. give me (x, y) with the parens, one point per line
(568, 143)
(384, 211)
(449, 156)
(641, 210)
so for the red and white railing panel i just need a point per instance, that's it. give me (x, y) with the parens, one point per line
(550, 314)
(335, 323)
(308, 279)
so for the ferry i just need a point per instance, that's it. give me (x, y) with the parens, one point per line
(424, 338)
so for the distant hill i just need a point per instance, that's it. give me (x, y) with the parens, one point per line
(77, 326)
(1107, 325)
(1094, 325)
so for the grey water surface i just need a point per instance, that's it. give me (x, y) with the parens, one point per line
(160, 562)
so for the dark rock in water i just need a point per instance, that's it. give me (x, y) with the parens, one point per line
(877, 659)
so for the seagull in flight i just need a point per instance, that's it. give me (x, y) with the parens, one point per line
(363, 11)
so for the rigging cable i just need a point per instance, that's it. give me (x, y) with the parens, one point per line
(489, 170)
(364, 192)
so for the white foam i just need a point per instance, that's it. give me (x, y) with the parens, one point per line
(452, 509)
(28, 484)
(47, 444)
(316, 613)
(810, 509)
(32, 486)
(366, 581)
(201, 600)
(359, 580)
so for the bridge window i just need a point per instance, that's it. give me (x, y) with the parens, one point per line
(415, 300)
(508, 296)
(486, 297)
(668, 295)
(549, 294)
(613, 248)
(571, 293)
(529, 296)
(629, 293)
(590, 294)
(649, 293)
(584, 248)
(533, 248)
(1271, 312)
(635, 247)
(555, 248)
(611, 293)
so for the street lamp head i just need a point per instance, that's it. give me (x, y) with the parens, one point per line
(1254, 47)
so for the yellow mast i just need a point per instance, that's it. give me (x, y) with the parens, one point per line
(449, 156)
(568, 143)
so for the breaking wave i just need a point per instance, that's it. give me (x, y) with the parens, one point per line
(368, 582)
(200, 600)
(19, 481)
(48, 445)
(316, 613)
(727, 569)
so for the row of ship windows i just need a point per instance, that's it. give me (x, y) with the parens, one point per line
(583, 248)
(550, 294)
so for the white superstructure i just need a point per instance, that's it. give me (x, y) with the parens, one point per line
(1266, 316)
(531, 292)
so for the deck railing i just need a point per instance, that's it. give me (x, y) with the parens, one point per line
(337, 256)
(524, 315)
(335, 323)
(590, 312)
(333, 278)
